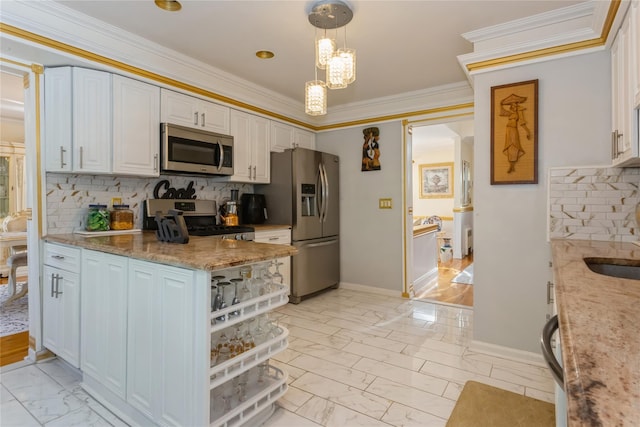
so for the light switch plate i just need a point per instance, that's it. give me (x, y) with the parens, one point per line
(385, 204)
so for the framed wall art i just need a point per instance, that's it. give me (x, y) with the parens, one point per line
(436, 181)
(514, 133)
(371, 149)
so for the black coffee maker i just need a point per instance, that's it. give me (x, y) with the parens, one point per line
(253, 208)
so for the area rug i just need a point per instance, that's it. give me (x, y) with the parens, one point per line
(465, 276)
(481, 405)
(14, 316)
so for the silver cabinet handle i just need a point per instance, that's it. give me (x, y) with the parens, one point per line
(81, 156)
(249, 171)
(62, 151)
(203, 120)
(254, 173)
(59, 257)
(195, 118)
(550, 299)
(58, 292)
(155, 162)
(274, 238)
(618, 136)
(52, 280)
(613, 144)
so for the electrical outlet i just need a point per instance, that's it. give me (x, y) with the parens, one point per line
(384, 204)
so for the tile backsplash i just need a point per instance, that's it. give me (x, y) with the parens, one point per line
(594, 203)
(69, 195)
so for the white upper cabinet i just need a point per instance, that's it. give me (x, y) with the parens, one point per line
(250, 148)
(77, 120)
(185, 110)
(284, 136)
(625, 91)
(136, 130)
(304, 139)
(91, 121)
(97, 122)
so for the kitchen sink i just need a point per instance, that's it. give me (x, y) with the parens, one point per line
(615, 267)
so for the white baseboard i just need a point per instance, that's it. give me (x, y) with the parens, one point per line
(426, 280)
(507, 353)
(371, 289)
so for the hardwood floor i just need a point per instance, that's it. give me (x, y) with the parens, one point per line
(13, 348)
(446, 292)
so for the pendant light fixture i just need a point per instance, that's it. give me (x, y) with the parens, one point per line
(338, 63)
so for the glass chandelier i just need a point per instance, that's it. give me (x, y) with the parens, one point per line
(339, 64)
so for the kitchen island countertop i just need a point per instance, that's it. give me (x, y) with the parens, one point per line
(201, 253)
(599, 319)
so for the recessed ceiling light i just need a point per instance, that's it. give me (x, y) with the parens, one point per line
(170, 5)
(265, 54)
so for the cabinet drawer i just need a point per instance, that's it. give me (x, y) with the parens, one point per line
(276, 237)
(64, 257)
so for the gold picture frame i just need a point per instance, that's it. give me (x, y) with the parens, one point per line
(436, 180)
(514, 133)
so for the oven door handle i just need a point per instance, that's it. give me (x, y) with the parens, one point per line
(221, 155)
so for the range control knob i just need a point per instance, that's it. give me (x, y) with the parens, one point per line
(239, 237)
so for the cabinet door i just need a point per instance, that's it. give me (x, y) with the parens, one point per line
(214, 117)
(622, 102)
(91, 121)
(304, 139)
(281, 136)
(250, 148)
(136, 127)
(104, 319)
(178, 108)
(261, 157)
(634, 17)
(58, 119)
(193, 112)
(241, 132)
(167, 314)
(61, 314)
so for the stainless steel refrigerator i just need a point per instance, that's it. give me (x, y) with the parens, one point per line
(304, 194)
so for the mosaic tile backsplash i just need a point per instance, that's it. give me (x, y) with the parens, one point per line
(69, 195)
(594, 203)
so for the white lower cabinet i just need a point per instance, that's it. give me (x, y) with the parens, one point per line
(61, 302)
(149, 336)
(104, 319)
(166, 355)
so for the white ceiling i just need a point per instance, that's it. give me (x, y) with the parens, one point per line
(402, 46)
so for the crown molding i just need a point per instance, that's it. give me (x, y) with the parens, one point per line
(573, 30)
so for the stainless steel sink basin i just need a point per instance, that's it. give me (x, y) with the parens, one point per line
(615, 267)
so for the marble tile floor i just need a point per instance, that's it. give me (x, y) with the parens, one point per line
(354, 359)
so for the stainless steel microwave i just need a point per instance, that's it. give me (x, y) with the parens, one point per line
(195, 151)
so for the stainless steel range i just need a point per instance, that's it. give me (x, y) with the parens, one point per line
(200, 216)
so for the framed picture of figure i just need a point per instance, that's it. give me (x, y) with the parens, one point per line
(514, 133)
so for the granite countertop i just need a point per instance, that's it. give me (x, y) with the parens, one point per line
(599, 320)
(201, 253)
(419, 230)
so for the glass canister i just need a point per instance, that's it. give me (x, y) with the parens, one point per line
(121, 217)
(98, 218)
